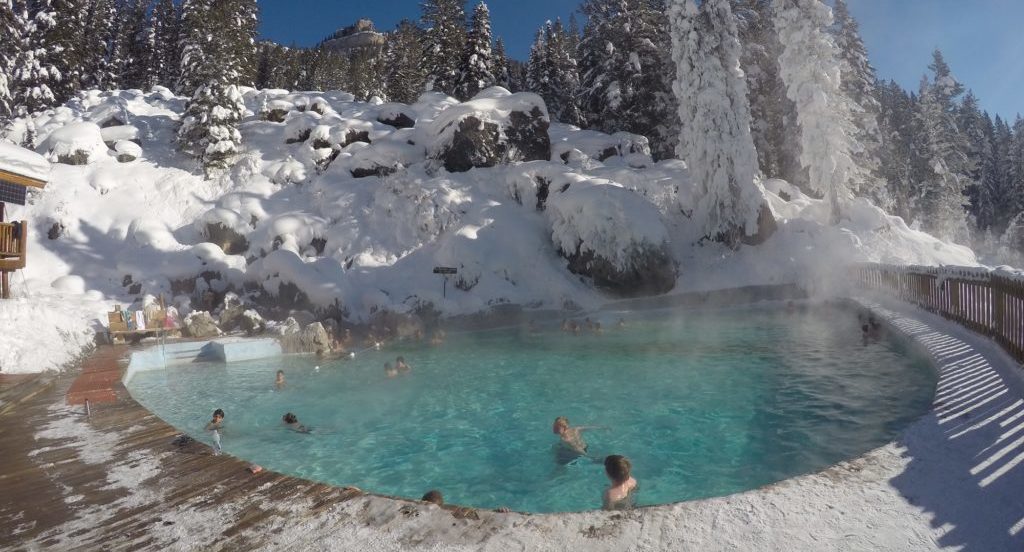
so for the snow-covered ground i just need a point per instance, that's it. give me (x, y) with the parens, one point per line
(338, 202)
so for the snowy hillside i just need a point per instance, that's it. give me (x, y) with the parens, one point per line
(343, 208)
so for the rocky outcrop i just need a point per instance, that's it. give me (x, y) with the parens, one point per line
(252, 323)
(311, 339)
(494, 127)
(201, 324)
(647, 271)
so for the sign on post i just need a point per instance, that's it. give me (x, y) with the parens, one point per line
(445, 271)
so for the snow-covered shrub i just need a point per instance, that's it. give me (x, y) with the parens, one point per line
(299, 125)
(209, 129)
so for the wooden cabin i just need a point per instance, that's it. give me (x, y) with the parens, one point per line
(20, 169)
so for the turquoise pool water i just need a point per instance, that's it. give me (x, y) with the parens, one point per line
(704, 404)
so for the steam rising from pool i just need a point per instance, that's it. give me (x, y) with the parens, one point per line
(704, 404)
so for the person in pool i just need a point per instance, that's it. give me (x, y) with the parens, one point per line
(433, 496)
(401, 366)
(214, 426)
(279, 382)
(571, 437)
(621, 494)
(390, 371)
(291, 421)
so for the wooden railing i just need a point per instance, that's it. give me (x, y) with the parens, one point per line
(990, 302)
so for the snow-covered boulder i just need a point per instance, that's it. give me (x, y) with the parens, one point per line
(299, 125)
(277, 110)
(78, 143)
(224, 228)
(494, 127)
(114, 134)
(252, 323)
(397, 115)
(201, 324)
(613, 236)
(127, 151)
(596, 145)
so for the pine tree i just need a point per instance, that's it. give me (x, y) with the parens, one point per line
(209, 129)
(166, 42)
(716, 141)
(405, 78)
(627, 72)
(33, 77)
(62, 44)
(900, 157)
(552, 73)
(858, 84)
(811, 72)
(134, 52)
(9, 46)
(102, 25)
(943, 184)
(445, 40)
(367, 74)
(476, 71)
(1013, 168)
(979, 132)
(501, 70)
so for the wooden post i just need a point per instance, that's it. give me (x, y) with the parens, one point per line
(5, 284)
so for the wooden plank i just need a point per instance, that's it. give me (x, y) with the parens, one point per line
(21, 180)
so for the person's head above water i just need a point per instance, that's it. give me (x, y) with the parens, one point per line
(218, 414)
(560, 425)
(618, 468)
(433, 496)
(290, 418)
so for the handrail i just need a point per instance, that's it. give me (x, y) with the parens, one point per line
(989, 302)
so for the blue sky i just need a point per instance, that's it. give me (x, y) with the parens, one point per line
(980, 38)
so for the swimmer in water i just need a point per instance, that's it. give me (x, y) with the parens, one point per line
(433, 496)
(214, 426)
(621, 494)
(291, 421)
(401, 366)
(390, 371)
(572, 438)
(279, 382)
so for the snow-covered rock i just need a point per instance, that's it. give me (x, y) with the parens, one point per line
(113, 134)
(494, 127)
(397, 115)
(201, 324)
(252, 323)
(77, 143)
(127, 151)
(614, 237)
(311, 339)
(224, 228)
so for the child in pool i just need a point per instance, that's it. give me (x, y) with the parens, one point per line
(390, 371)
(214, 426)
(571, 437)
(291, 421)
(401, 366)
(279, 382)
(621, 494)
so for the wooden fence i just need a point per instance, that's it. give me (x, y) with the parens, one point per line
(986, 301)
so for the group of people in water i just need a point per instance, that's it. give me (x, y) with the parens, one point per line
(571, 447)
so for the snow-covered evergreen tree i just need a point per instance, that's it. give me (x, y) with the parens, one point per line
(1013, 168)
(979, 132)
(9, 43)
(445, 21)
(626, 70)
(62, 43)
(33, 77)
(810, 68)
(209, 129)
(166, 41)
(132, 47)
(406, 78)
(553, 74)
(773, 115)
(943, 184)
(476, 71)
(101, 26)
(218, 43)
(900, 158)
(858, 84)
(716, 142)
(501, 72)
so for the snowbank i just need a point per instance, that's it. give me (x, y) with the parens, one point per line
(78, 143)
